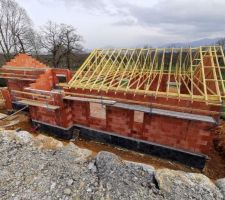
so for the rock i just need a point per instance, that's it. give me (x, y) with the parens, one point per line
(180, 185)
(67, 191)
(148, 168)
(125, 180)
(81, 155)
(43, 168)
(31, 172)
(25, 136)
(46, 142)
(221, 185)
(53, 186)
(92, 167)
(70, 182)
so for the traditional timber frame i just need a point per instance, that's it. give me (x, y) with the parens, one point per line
(184, 73)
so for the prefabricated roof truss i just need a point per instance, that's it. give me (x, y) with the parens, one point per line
(194, 74)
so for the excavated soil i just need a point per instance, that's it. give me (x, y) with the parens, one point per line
(214, 169)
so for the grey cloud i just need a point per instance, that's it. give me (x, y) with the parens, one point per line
(91, 4)
(104, 6)
(190, 12)
(126, 22)
(174, 16)
(187, 19)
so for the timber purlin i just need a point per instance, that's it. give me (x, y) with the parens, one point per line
(164, 102)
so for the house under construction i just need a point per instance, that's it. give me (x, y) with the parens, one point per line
(163, 102)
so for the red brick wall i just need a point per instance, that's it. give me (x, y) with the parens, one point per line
(43, 115)
(80, 112)
(64, 116)
(119, 121)
(66, 72)
(17, 84)
(159, 102)
(61, 117)
(7, 97)
(183, 134)
(44, 82)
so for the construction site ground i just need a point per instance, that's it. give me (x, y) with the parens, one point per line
(214, 169)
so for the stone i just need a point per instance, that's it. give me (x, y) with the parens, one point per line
(67, 191)
(70, 182)
(33, 169)
(53, 186)
(178, 185)
(92, 167)
(125, 179)
(220, 183)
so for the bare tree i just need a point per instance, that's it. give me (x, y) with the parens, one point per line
(51, 40)
(61, 41)
(71, 42)
(15, 27)
(221, 42)
(33, 43)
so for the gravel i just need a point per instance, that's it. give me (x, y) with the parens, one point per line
(221, 185)
(44, 168)
(178, 185)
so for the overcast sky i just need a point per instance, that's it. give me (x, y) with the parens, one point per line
(131, 23)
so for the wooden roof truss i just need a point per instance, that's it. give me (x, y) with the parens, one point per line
(196, 74)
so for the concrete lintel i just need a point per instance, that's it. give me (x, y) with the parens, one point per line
(169, 113)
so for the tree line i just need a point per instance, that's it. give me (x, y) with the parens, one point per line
(56, 43)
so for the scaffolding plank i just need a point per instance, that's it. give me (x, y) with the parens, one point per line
(23, 68)
(38, 104)
(17, 78)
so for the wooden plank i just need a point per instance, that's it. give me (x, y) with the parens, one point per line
(23, 68)
(38, 104)
(31, 94)
(17, 78)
